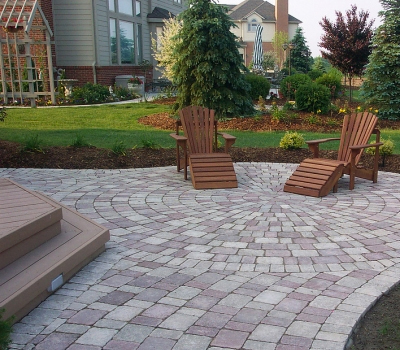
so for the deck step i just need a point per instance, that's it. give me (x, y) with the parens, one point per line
(26, 221)
(26, 282)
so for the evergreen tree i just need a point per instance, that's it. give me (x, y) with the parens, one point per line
(321, 64)
(208, 69)
(301, 59)
(382, 77)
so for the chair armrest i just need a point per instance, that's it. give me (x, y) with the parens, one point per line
(311, 142)
(313, 145)
(359, 147)
(178, 137)
(229, 140)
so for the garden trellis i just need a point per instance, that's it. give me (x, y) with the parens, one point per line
(26, 67)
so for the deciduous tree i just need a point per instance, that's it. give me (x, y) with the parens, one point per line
(347, 41)
(164, 46)
(382, 76)
(277, 41)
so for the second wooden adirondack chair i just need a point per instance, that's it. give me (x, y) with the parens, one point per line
(208, 168)
(318, 176)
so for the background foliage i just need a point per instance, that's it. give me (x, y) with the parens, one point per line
(382, 77)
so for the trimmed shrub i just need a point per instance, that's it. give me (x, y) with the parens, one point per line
(313, 98)
(314, 74)
(294, 82)
(332, 82)
(260, 86)
(385, 150)
(90, 93)
(291, 140)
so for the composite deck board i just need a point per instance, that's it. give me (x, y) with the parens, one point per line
(24, 282)
(29, 214)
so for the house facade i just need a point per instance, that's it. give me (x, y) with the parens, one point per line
(97, 40)
(273, 18)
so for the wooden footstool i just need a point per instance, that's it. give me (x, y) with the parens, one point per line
(315, 177)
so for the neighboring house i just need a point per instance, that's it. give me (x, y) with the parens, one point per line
(250, 13)
(97, 40)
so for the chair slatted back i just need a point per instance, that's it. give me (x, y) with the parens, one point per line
(199, 127)
(357, 129)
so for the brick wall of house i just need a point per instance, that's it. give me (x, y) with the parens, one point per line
(282, 15)
(105, 75)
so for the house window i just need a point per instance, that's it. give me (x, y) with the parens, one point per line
(125, 6)
(127, 42)
(177, 1)
(126, 33)
(159, 31)
(111, 5)
(139, 43)
(138, 8)
(252, 26)
(113, 41)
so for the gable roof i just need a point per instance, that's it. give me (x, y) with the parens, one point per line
(160, 13)
(17, 11)
(263, 8)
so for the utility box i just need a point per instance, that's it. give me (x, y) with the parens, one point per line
(122, 80)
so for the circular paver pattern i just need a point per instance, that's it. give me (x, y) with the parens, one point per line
(245, 268)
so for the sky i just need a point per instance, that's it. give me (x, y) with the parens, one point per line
(311, 12)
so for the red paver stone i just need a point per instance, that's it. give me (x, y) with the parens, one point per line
(230, 339)
(87, 317)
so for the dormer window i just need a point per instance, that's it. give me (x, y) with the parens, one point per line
(252, 25)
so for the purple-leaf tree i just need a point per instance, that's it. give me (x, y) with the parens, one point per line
(346, 42)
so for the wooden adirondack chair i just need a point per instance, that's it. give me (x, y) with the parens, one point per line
(208, 169)
(317, 176)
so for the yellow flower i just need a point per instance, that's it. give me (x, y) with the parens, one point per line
(358, 108)
(376, 111)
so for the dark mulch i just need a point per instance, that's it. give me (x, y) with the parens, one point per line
(11, 156)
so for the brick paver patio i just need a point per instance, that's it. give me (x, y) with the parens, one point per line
(245, 268)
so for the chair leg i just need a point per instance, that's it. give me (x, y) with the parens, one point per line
(185, 163)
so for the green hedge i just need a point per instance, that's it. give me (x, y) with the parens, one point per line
(260, 86)
(293, 82)
(313, 97)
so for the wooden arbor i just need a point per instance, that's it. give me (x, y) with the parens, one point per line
(317, 176)
(26, 68)
(208, 169)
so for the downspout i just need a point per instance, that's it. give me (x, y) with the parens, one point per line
(94, 43)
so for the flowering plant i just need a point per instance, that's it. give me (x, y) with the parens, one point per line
(135, 80)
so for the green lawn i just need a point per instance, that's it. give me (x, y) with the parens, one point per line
(103, 126)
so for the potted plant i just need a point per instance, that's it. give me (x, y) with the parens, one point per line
(134, 84)
(134, 81)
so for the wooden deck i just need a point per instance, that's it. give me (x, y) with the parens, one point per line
(40, 240)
